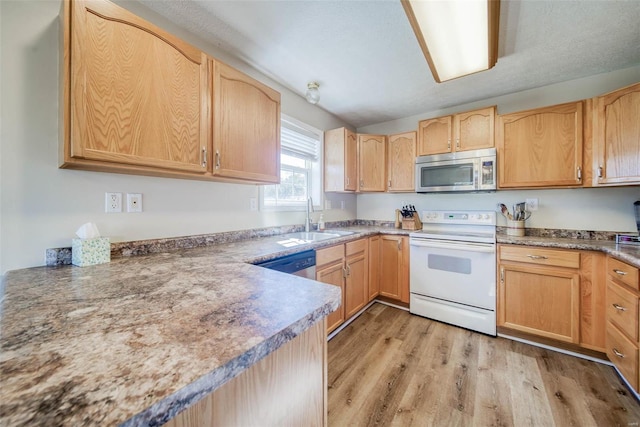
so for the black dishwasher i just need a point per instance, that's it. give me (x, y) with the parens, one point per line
(301, 264)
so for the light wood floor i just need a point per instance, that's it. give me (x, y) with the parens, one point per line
(391, 368)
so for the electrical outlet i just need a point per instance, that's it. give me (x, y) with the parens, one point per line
(253, 204)
(134, 202)
(113, 202)
(531, 205)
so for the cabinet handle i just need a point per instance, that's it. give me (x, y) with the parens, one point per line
(348, 270)
(579, 173)
(618, 307)
(347, 180)
(389, 183)
(620, 272)
(217, 159)
(600, 171)
(617, 353)
(361, 183)
(458, 143)
(502, 275)
(448, 144)
(204, 157)
(537, 257)
(344, 272)
(399, 245)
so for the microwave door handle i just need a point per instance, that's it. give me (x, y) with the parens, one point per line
(468, 247)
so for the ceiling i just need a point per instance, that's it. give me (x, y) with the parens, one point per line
(370, 68)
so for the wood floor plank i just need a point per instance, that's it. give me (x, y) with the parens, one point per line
(393, 368)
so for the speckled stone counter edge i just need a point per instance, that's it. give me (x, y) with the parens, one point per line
(62, 256)
(161, 412)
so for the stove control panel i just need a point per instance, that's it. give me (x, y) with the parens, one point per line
(459, 217)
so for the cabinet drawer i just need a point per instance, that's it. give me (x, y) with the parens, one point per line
(624, 354)
(622, 309)
(554, 257)
(623, 272)
(329, 255)
(356, 247)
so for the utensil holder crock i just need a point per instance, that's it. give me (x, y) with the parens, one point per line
(515, 228)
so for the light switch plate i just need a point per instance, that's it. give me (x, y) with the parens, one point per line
(134, 202)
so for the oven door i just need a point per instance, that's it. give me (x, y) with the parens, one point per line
(447, 175)
(460, 272)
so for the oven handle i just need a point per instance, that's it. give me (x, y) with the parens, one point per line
(467, 246)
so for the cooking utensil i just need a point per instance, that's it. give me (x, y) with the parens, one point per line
(505, 211)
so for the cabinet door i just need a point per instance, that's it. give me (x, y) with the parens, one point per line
(246, 136)
(541, 148)
(434, 136)
(340, 160)
(401, 160)
(138, 95)
(372, 162)
(394, 270)
(374, 267)
(617, 136)
(351, 161)
(474, 130)
(357, 280)
(333, 274)
(542, 301)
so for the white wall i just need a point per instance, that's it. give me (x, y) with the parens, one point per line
(608, 209)
(42, 206)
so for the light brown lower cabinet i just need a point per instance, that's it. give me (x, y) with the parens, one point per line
(346, 266)
(374, 267)
(554, 294)
(394, 267)
(296, 373)
(622, 319)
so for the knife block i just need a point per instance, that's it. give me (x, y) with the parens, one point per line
(412, 223)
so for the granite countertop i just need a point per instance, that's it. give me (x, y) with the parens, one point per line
(627, 253)
(137, 340)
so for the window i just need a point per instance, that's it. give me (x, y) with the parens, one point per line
(300, 168)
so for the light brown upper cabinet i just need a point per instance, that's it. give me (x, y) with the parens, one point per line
(616, 134)
(340, 160)
(246, 126)
(472, 130)
(541, 147)
(134, 97)
(401, 157)
(372, 162)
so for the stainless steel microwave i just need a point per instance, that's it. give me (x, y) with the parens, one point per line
(469, 171)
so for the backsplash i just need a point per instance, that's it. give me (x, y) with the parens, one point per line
(62, 256)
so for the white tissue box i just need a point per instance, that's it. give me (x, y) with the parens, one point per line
(90, 251)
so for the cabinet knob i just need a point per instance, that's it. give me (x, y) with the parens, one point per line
(619, 272)
(618, 307)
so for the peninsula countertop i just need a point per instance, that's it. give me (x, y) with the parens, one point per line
(139, 339)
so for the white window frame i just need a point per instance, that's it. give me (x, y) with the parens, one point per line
(315, 178)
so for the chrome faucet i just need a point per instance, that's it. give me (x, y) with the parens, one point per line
(307, 221)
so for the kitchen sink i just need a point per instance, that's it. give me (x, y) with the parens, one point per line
(303, 237)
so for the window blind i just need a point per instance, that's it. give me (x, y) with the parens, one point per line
(298, 141)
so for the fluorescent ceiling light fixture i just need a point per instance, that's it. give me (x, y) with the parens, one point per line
(458, 37)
